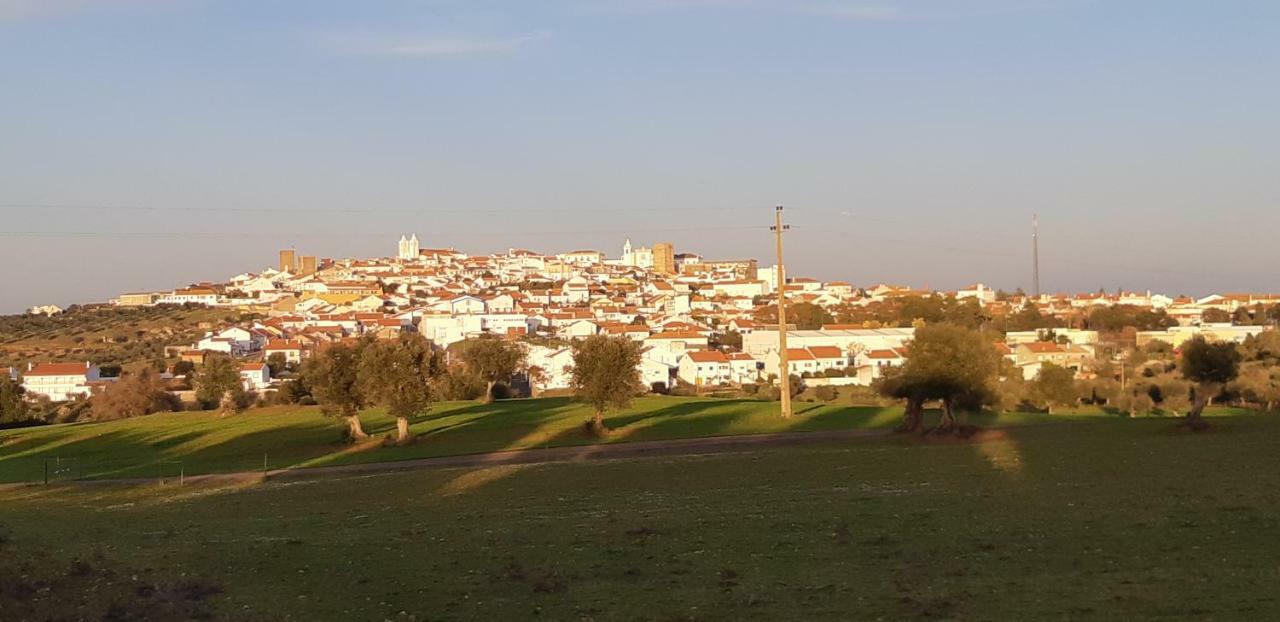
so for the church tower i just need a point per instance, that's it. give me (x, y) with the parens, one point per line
(408, 250)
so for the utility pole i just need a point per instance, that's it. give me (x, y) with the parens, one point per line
(1035, 255)
(784, 366)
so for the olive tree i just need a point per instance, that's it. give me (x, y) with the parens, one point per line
(945, 362)
(605, 375)
(397, 374)
(1210, 365)
(333, 375)
(218, 382)
(492, 360)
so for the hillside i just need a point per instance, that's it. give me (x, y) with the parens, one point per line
(126, 336)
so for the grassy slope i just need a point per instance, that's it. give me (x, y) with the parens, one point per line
(1107, 519)
(300, 436)
(89, 334)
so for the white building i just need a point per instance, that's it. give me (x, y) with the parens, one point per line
(255, 376)
(705, 367)
(195, 295)
(409, 248)
(852, 341)
(59, 381)
(641, 257)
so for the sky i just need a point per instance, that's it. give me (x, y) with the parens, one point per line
(148, 144)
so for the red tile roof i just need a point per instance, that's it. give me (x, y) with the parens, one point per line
(58, 369)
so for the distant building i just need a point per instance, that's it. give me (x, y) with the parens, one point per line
(49, 310)
(664, 258)
(636, 257)
(136, 299)
(289, 261)
(60, 381)
(308, 265)
(196, 295)
(409, 248)
(255, 376)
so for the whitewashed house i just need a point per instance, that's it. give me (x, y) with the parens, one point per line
(60, 381)
(705, 367)
(255, 376)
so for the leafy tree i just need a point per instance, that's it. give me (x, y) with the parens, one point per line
(13, 405)
(804, 315)
(1135, 401)
(1258, 384)
(1215, 316)
(941, 309)
(537, 377)
(277, 363)
(605, 375)
(1118, 317)
(1210, 366)
(397, 374)
(731, 339)
(1054, 386)
(492, 360)
(333, 375)
(1264, 346)
(134, 395)
(1029, 318)
(1174, 392)
(218, 382)
(944, 362)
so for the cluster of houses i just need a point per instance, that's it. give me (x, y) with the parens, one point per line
(679, 307)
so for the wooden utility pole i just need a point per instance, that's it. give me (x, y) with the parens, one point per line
(784, 366)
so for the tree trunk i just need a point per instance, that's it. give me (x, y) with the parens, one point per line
(488, 392)
(355, 430)
(596, 424)
(402, 430)
(912, 417)
(948, 424)
(1194, 420)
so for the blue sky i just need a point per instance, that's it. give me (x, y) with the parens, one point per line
(912, 139)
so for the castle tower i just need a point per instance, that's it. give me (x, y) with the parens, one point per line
(288, 261)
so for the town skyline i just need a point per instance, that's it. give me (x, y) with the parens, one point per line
(615, 255)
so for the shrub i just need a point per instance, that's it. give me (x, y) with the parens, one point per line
(659, 387)
(826, 393)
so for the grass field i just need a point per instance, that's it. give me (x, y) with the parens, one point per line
(1104, 519)
(285, 437)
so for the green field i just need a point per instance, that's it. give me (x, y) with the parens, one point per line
(1102, 519)
(289, 437)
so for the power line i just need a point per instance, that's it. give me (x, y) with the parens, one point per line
(370, 210)
(270, 235)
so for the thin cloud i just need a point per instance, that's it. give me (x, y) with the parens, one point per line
(429, 46)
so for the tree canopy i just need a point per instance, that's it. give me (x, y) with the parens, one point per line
(1210, 365)
(397, 374)
(134, 395)
(333, 376)
(492, 360)
(605, 375)
(218, 381)
(944, 362)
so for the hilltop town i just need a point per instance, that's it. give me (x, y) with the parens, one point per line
(703, 322)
